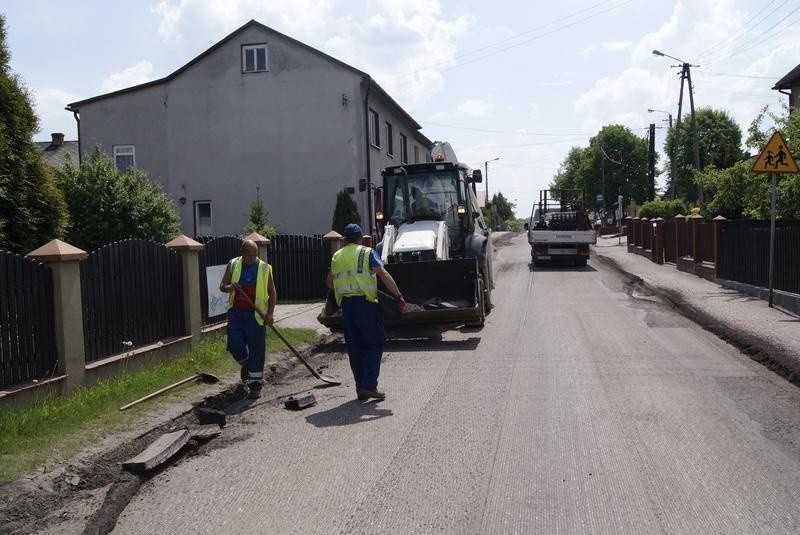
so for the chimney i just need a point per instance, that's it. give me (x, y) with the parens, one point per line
(58, 138)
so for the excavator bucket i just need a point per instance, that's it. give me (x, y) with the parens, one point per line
(439, 294)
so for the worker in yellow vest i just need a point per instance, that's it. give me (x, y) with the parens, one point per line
(249, 281)
(352, 277)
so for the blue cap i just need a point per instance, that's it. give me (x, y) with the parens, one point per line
(352, 230)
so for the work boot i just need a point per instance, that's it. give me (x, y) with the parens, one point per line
(243, 373)
(254, 390)
(367, 394)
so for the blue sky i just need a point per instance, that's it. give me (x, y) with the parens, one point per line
(522, 81)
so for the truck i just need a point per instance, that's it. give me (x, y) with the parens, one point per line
(559, 227)
(435, 243)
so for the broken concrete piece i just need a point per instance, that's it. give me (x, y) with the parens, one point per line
(159, 451)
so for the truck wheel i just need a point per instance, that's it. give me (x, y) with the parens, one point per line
(487, 293)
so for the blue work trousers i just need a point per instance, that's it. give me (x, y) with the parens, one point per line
(247, 341)
(364, 336)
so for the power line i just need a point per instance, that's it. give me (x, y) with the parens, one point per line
(501, 131)
(435, 65)
(732, 38)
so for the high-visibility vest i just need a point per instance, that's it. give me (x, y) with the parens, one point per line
(262, 285)
(352, 275)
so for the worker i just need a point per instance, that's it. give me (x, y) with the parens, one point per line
(352, 278)
(421, 205)
(251, 306)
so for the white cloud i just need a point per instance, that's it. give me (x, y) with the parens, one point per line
(615, 46)
(138, 74)
(49, 104)
(472, 108)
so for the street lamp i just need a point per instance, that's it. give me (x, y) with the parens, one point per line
(672, 156)
(486, 167)
(686, 75)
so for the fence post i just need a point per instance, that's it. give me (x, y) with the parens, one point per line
(658, 240)
(64, 261)
(719, 222)
(643, 222)
(262, 243)
(192, 310)
(696, 219)
(334, 241)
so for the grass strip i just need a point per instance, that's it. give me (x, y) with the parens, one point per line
(56, 428)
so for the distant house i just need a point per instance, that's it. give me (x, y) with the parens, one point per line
(790, 85)
(57, 151)
(257, 108)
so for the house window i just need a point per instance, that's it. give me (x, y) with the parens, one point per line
(374, 129)
(416, 154)
(389, 139)
(124, 157)
(254, 58)
(202, 219)
(403, 149)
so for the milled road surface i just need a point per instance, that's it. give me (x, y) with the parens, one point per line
(583, 406)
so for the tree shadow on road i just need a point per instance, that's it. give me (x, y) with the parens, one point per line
(350, 412)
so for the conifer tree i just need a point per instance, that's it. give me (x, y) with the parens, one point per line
(32, 210)
(345, 212)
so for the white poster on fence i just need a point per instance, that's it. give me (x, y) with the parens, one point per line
(217, 300)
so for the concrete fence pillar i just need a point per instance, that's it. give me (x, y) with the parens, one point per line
(189, 251)
(64, 261)
(719, 223)
(658, 240)
(334, 241)
(695, 220)
(637, 231)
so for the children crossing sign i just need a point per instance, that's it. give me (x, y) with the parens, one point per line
(775, 157)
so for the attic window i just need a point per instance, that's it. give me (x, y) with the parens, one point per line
(254, 58)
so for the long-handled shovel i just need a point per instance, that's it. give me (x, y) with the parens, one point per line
(205, 377)
(323, 378)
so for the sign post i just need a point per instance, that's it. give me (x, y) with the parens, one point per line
(775, 158)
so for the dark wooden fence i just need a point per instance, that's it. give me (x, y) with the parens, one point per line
(300, 264)
(132, 293)
(27, 331)
(736, 250)
(745, 253)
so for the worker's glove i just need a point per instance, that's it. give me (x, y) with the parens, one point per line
(401, 303)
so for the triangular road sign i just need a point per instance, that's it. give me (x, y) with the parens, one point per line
(775, 157)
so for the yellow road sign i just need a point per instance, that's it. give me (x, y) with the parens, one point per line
(775, 157)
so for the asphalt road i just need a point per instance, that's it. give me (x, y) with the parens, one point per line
(583, 406)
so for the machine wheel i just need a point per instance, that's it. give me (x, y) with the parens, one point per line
(482, 304)
(487, 292)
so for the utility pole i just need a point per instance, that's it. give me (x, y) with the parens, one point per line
(651, 164)
(687, 76)
(672, 174)
(486, 177)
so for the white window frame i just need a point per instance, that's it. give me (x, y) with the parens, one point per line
(124, 151)
(403, 149)
(197, 205)
(389, 140)
(254, 49)
(374, 129)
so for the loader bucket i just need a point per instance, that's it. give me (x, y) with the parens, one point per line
(440, 294)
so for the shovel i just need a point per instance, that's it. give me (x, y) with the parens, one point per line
(205, 377)
(323, 378)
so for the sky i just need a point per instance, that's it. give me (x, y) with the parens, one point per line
(515, 83)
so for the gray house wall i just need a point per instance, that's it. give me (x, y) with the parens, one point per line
(211, 133)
